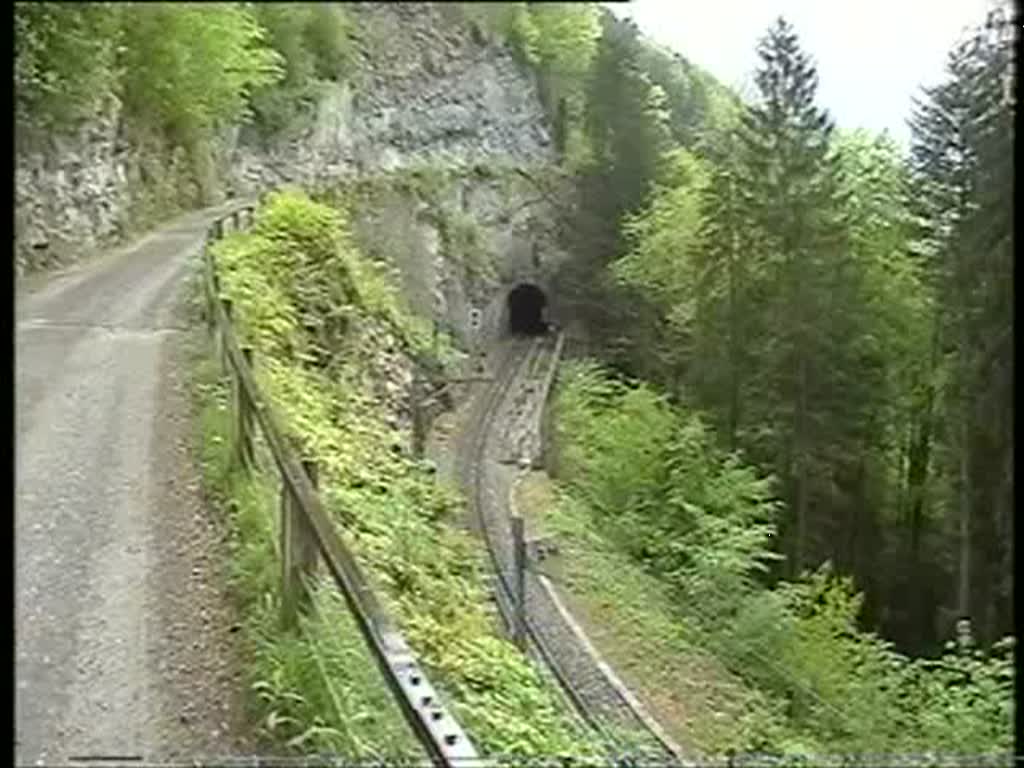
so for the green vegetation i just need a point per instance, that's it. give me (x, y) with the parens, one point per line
(465, 243)
(317, 314)
(185, 68)
(464, 240)
(181, 73)
(637, 623)
(190, 68)
(65, 60)
(805, 438)
(314, 41)
(315, 690)
(560, 41)
(614, 98)
(646, 489)
(784, 280)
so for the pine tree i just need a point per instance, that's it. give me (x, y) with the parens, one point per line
(792, 200)
(626, 121)
(962, 144)
(723, 308)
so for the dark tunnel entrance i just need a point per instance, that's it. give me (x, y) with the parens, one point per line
(526, 310)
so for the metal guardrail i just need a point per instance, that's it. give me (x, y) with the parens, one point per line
(306, 529)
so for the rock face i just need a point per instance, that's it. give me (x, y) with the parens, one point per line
(424, 92)
(425, 97)
(77, 193)
(462, 245)
(68, 192)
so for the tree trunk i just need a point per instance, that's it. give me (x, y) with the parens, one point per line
(964, 582)
(964, 587)
(801, 468)
(918, 463)
(734, 341)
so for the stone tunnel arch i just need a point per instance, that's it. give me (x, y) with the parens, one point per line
(527, 310)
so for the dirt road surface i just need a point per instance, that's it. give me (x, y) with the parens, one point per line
(123, 634)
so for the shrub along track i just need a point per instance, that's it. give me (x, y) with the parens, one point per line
(483, 451)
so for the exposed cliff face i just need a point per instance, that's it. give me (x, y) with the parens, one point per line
(462, 238)
(68, 191)
(424, 91)
(76, 193)
(426, 100)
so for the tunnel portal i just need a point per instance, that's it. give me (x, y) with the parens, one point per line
(527, 307)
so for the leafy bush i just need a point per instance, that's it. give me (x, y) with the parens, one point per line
(314, 42)
(592, 408)
(190, 67)
(65, 60)
(315, 690)
(691, 513)
(665, 236)
(506, 22)
(466, 244)
(703, 522)
(566, 38)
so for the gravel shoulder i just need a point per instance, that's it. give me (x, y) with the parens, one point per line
(122, 623)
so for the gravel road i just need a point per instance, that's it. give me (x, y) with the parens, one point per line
(123, 634)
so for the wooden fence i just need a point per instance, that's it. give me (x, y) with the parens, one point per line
(308, 533)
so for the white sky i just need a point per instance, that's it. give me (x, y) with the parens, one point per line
(871, 55)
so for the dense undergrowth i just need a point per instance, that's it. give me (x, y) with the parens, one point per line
(314, 690)
(635, 621)
(651, 482)
(319, 317)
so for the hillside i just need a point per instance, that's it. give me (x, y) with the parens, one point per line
(777, 459)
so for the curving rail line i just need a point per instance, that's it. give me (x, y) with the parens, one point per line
(483, 454)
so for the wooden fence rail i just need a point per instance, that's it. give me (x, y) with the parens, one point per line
(306, 531)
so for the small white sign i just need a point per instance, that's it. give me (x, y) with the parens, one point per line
(474, 318)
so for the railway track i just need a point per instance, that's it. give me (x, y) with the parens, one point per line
(499, 428)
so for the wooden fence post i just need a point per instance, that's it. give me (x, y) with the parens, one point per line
(218, 229)
(243, 417)
(299, 550)
(419, 405)
(224, 357)
(215, 299)
(209, 310)
(519, 574)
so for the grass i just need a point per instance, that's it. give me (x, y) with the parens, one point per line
(641, 632)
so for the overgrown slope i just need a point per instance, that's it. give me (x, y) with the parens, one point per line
(328, 329)
(663, 530)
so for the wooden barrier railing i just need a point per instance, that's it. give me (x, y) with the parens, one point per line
(306, 531)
